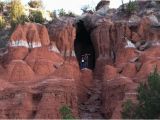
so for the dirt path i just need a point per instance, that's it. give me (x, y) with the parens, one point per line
(91, 109)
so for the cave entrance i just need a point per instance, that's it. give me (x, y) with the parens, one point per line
(83, 46)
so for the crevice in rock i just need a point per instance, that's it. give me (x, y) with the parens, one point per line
(83, 47)
(92, 107)
(37, 97)
(34, 112)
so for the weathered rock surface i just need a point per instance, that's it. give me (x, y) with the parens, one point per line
(30, 35)
(44, 61)
(39, 72)
(63, 33)
(113, 93)
(127, 50)
(84, 84)
(33, 81)
(42, 99)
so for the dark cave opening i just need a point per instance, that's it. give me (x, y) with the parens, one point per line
(83, 46)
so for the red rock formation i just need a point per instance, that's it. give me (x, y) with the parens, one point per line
(147, 31)
(83, 84)
(146, 69)
(25, 37)
(129, 70)
(60, 92)
(17, 53)
(135, 37)
(101, 40)
(19, 70)
(131, 94)
(113, 93)
(42, 99)
(31, 56)
(63, 33)
(69, 70)
(30, 35)
(110, 72)
(43, 61)
(44, 67)
(125, 55)
(150, 54)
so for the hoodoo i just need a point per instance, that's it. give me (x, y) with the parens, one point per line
(84, 66)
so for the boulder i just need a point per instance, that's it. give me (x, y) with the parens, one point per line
(102, 7)
(134, 20)
(153, 19)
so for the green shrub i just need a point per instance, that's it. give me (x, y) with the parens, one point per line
(2, 22)
(128, 109)
(71, 14)
(36, 16)
(35, 3)
(20, 20)
(62, 12)
(16, 12)
(131, 7)
(148, 106)
(66, 112)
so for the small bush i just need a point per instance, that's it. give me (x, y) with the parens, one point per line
(128, 110)
(132, 6)
(148, 106)
(71, 14)
(20, 20)
(62, 12)
(66, 112)
(2, 22)
(16, 12)
(36, 16)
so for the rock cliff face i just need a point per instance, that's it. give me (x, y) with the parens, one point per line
(34, 100)
(42, 69)
(63, 33)
(32, 77)
(126, 52)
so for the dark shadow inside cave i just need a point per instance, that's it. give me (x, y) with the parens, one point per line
(83, 46)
